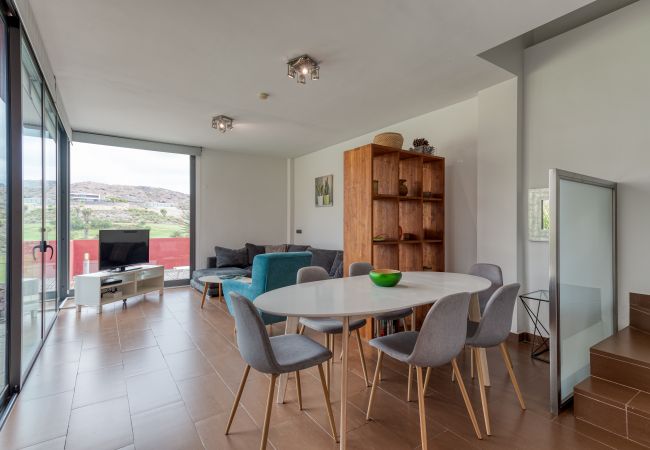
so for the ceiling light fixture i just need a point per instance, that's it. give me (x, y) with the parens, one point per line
(302, 66)
(222, 123)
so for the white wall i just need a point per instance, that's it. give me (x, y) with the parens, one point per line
(587, 110)
(497, 178)
(452, 130)
(240, 198)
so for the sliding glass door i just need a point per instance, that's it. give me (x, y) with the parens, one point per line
(3, 209)
(32, 95)
(39, 160)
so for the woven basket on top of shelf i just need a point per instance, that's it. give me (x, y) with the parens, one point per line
(394, 140)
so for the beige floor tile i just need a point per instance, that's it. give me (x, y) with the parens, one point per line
(244, 434)
(100, 357)
(133, 340)
(99, 385)
(174, 343)
(188, 364)
(35, 421)
(54, 444)
(168, 427)
(151, 390)
(60, 378)
(205, 396)
(142, 361)
(100, 426)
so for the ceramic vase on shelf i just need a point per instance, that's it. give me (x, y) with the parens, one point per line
(403, 188)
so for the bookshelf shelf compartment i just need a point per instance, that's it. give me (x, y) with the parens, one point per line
(373, 207)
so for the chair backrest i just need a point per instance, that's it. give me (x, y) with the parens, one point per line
(252, 339)
(275, 270)
(443, 332)
(493, 273)
(311, 273)
(496, 320)
(360, 268)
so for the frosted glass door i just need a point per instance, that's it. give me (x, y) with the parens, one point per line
(584, 304)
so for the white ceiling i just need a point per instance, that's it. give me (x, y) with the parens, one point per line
(160, 69)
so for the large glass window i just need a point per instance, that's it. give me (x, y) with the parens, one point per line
(3, 207)
(125, 188)
(32, 279)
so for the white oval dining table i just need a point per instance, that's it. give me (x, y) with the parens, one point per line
(352, 297)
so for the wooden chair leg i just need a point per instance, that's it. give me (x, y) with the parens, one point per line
(410, 382)
(426, 380)
(299, 390)
(205, 293)
(468, 404)
(267, 415)
(363, 358)
(301, 330)
(328, 364)
(375, 381)
(326, 393)
(421, 409)
(237, 397)
(484, 403)
(511, 372)
(471, 362)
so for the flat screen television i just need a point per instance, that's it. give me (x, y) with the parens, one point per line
(119, 249)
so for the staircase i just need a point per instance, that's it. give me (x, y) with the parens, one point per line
(616, 397)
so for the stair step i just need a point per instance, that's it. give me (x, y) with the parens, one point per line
(640, 312)
(638, 419)
(603, 403)
(623, 358)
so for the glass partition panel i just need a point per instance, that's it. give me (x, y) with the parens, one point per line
(50, 214)
(583, 281)
(32, 94)
(3, 207)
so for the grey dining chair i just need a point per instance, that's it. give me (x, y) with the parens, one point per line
(493, 274)
(364, 268)
(329, 326)
(438, 342)
(492, 331)
(275, 356)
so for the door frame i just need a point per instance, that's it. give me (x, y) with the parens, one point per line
(555, 176)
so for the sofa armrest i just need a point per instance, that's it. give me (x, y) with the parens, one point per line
(211, 262)
(241, 287)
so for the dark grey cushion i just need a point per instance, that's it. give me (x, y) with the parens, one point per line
(329, 326)
(337, 266)
(211, 262)
(228, 257)
(322, 258)
(254, 250)
(297, 248)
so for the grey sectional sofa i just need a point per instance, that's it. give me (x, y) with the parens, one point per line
(330, 260)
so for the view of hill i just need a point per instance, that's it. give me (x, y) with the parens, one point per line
(132, 194)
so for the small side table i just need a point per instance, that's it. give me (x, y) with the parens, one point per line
(207, 281)
(540, 344)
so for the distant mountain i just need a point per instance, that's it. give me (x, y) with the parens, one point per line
(132, 194)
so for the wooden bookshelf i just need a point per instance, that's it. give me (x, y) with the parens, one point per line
(368, 214)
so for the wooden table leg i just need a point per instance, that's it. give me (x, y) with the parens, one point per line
(344, 385)
(205, 293)
(291, 328)
(475, 315)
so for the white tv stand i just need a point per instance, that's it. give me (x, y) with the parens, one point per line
(90, 290)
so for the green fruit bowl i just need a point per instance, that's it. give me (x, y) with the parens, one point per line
(385, 277)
